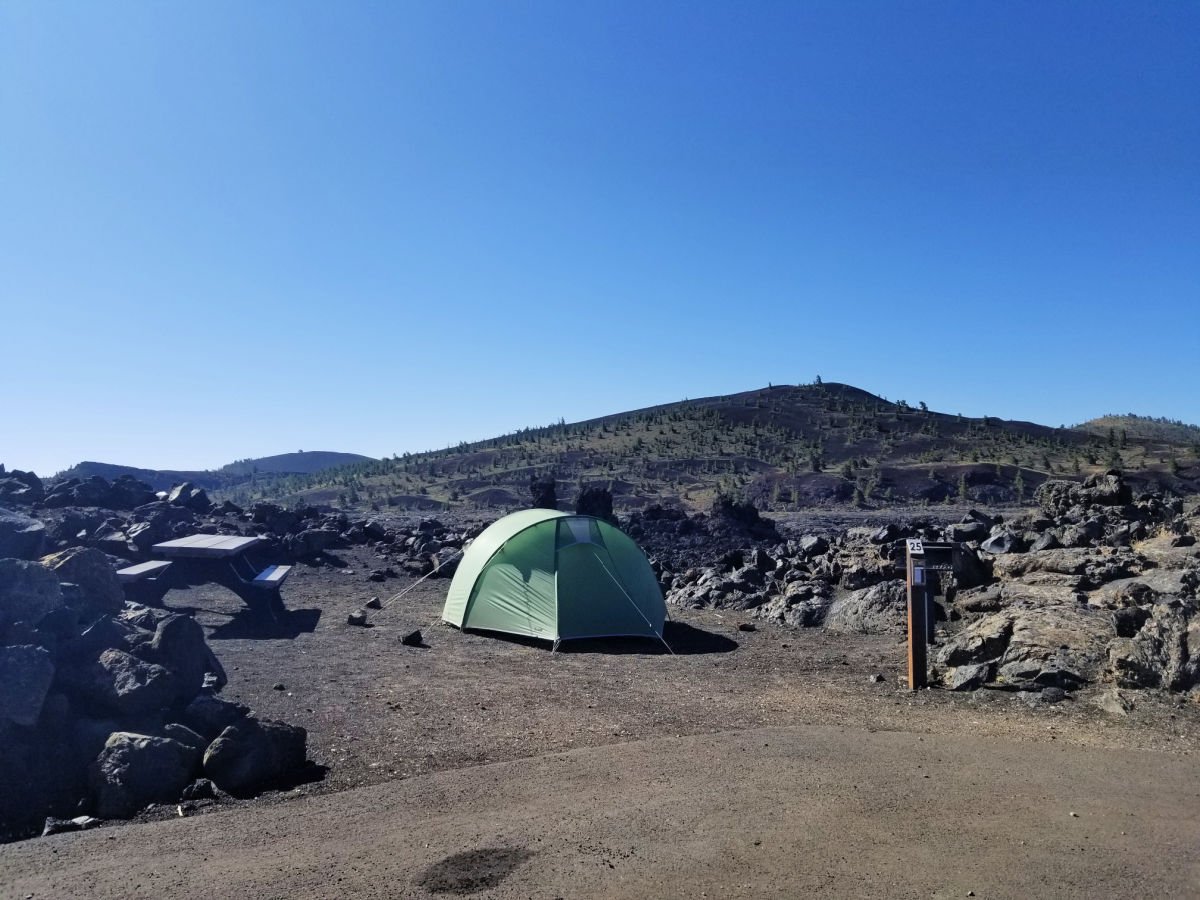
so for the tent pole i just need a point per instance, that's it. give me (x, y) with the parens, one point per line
(636, 608)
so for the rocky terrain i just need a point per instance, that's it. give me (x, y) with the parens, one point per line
(1092, 587)
(118, 707)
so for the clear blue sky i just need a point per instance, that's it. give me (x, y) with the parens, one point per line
(233, 229)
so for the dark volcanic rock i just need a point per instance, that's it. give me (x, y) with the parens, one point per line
(126, 685)
(208, 715)
(179, 646)
(968, 531)
(19, 488)
(157, 522)
(28, 591)
(542, 491)
(90, 569)
(597, 502)
(251, 755)
(135, 770)
(880, 609)
(1003, 541)
(189, 496)
(20, 536)
(26, 674)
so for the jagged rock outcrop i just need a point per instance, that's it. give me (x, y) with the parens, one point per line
(98, 699)
(21, 537)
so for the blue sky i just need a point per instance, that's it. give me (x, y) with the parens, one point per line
(236, 229)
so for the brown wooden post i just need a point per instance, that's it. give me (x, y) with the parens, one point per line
(918, 628)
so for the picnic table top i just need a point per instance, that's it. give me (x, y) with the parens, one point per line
(206, 545)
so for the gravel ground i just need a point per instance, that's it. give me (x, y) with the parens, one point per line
(376, 710)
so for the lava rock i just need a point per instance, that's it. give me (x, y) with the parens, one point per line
(20, 536)
(179, 646)
(135, 770)
(252, 755)
(28, 591)
(91, 570)
(19, 488)
(126, 685)
(26, 674)
(209, 716)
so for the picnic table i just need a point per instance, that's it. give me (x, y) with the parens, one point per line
(199, 558)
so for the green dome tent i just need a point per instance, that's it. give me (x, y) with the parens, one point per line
(545, 574)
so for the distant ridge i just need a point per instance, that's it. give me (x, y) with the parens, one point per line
(228, 476)
(784, 447)
(1144, 428)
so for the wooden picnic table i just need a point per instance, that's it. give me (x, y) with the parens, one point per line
(206, 546)
(221, 559)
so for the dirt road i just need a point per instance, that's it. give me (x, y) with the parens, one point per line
(765, 812)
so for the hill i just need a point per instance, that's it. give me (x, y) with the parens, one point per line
(1144, 428)
(783, 447)
(227, 477)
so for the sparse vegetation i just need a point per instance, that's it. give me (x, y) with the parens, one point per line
(784, 447)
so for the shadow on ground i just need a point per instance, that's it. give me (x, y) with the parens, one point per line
(472, 871)
(683, 639)
(248, 624)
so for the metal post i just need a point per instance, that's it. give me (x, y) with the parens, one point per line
(918, 628)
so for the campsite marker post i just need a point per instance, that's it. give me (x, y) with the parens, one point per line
(923, 561)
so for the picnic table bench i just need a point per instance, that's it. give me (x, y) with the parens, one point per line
(198, 558)
(146, 582)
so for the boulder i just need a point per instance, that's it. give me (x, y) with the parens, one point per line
(1157, 655)
(274, 517)
(208, 715)
(1003, 541)
(1044, 541)
(125, 684)
(157, 522)
(803, 604)
(969, 570)
(1061, 498)
(135, 770)
(983, 641)
(1108, 489)
(880, 609)
(968, 677)
(812, 545)
(542, 493)
(26, 674)
(311, 541)
(128, 492)
(190, 497)
(252, 755)
(20, 536)
(179, 647)
(28, 592)
(445, 563)
(91, 570)
(596, 501)
(1060, 646)
(19, 488)
(968, 531)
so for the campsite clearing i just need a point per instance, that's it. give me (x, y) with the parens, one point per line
(379, 712)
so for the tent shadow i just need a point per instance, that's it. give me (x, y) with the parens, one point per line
(684, 640)
(250, 624)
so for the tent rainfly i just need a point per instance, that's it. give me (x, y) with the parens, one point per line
(545, 574)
